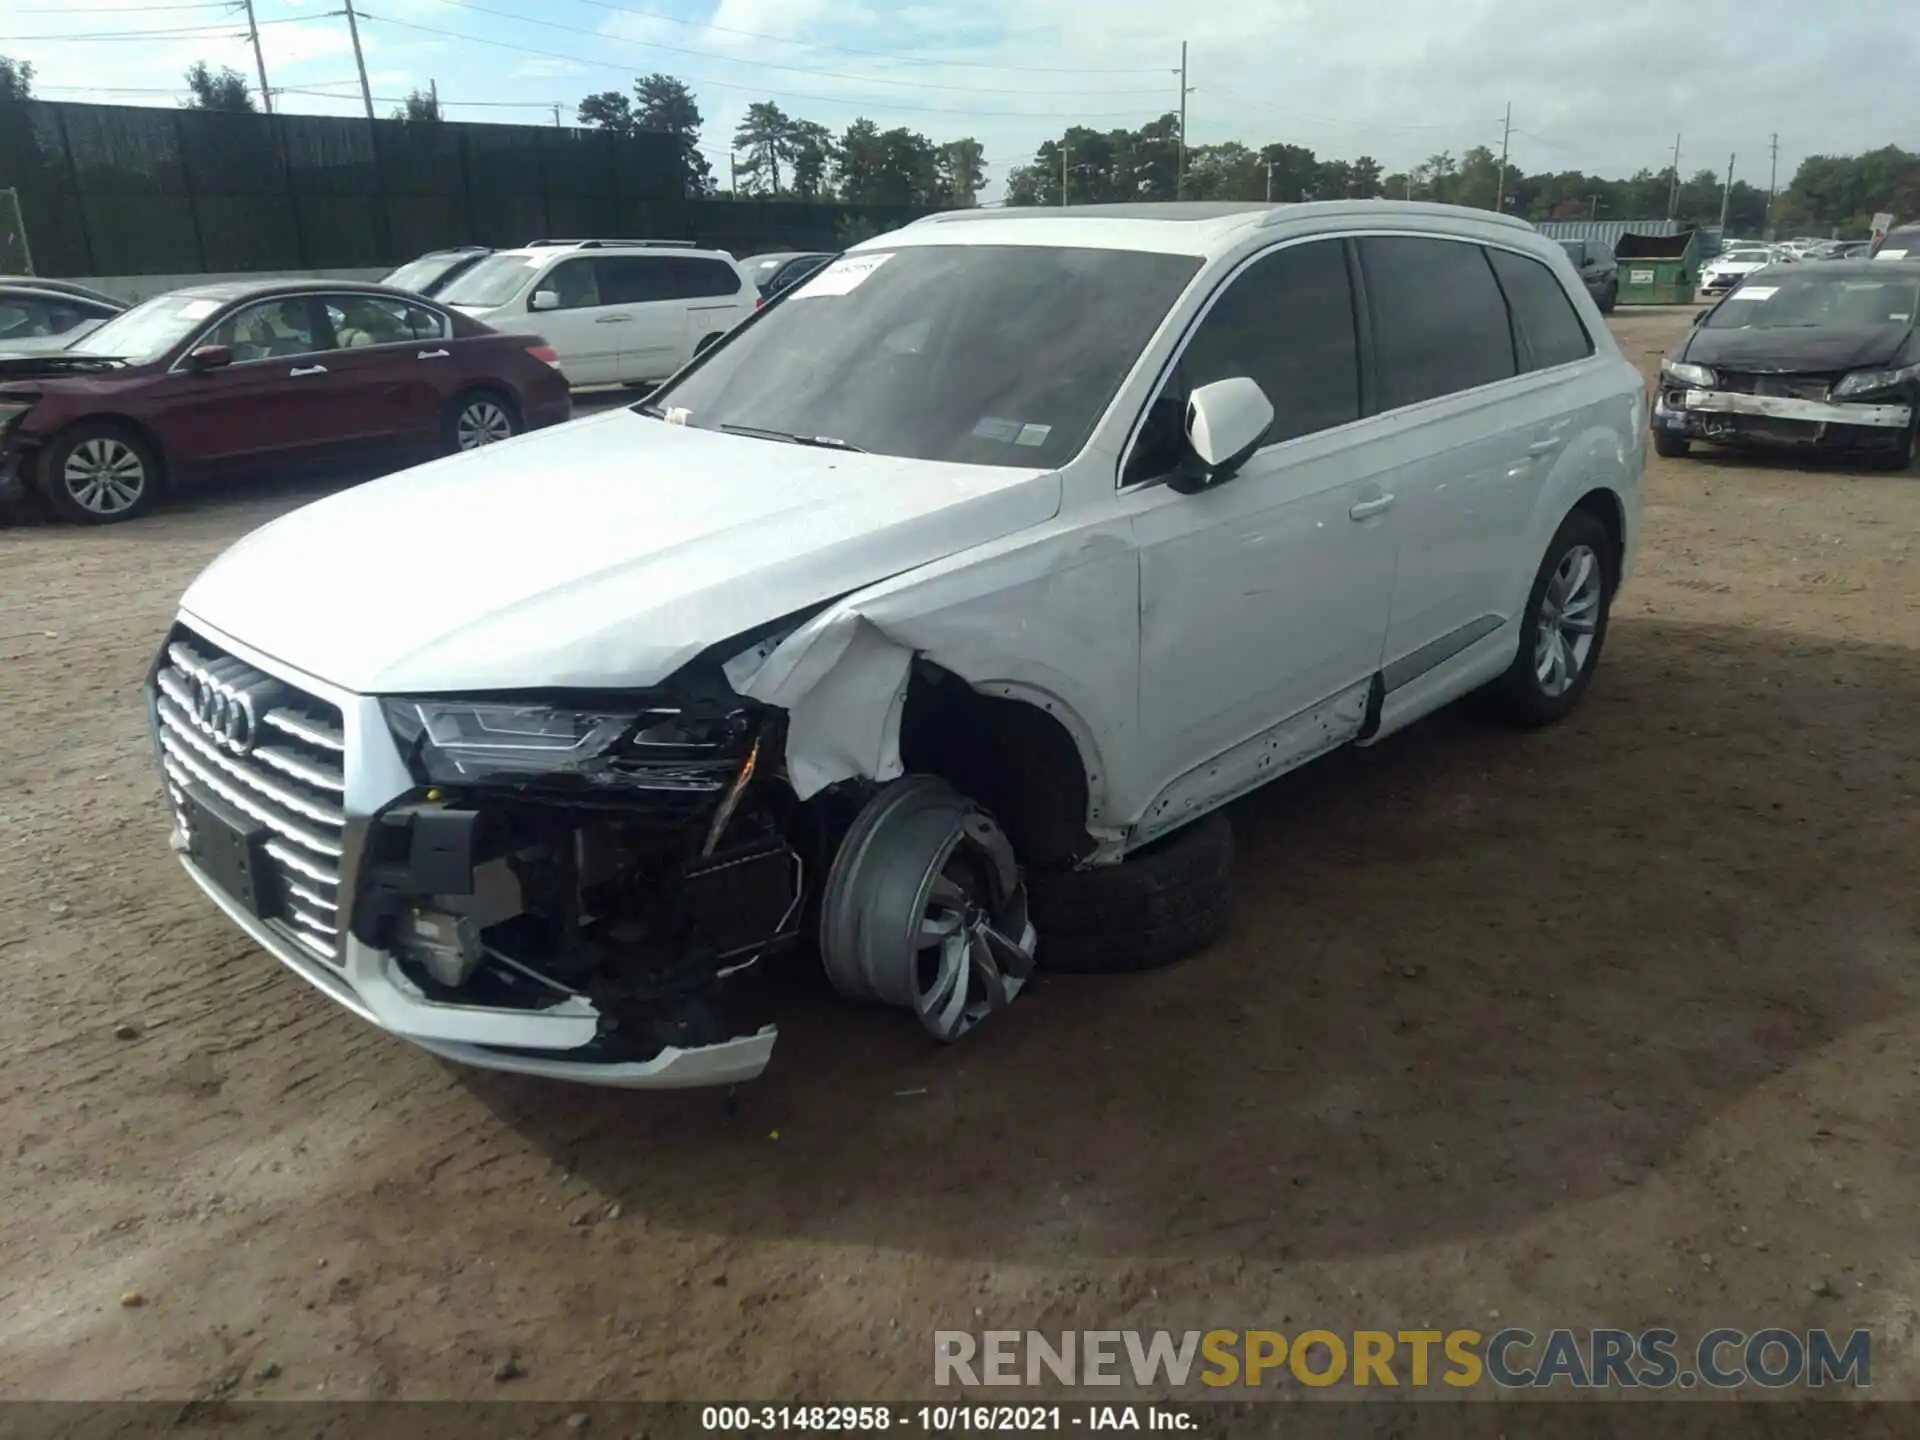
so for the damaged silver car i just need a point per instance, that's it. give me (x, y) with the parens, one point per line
(922, 625)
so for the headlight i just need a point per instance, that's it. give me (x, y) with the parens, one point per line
(456, 741)
(1865, 382)
(1688, 374)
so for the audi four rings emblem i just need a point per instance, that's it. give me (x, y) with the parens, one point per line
(223, 712)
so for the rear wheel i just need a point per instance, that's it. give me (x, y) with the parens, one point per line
(99, 473)
(481, 417)
(1565, 627)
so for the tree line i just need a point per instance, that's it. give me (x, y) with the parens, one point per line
(777, 155)
(1085, 166)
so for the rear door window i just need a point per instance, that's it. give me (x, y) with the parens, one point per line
(701, 279)
(362, 320)
(1439, 321)
(635, 279)
(1546, 328)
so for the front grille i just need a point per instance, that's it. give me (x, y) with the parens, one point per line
(1790, 387)
(282, 767)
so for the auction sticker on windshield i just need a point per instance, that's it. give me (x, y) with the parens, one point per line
(198, 309)
(1755, 292)
(842, 276)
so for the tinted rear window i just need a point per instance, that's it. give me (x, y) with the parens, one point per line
(1439, 321)
(1546, 327)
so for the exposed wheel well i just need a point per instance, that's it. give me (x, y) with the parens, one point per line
(1605, 507)
(118, 422)
(1015, 759)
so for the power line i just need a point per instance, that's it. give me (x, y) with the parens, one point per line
(1320, 119)
(811, 98)
(604, 37)
(202, 32)
(854, 50)
(119, 9)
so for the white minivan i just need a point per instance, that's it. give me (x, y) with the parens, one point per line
(615, 311)
(923, 625)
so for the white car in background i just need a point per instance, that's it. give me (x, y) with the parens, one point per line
(1735, 263)
(614, 311)
(930, 619)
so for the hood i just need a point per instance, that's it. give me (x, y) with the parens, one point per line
(1788, 351)
(605, 553)
(47, 344)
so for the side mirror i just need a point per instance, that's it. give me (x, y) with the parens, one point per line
(1699, 316)
(1226, 421)
(544, 300)
(209, 357)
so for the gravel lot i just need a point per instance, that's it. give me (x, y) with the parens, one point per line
(1614, 1024)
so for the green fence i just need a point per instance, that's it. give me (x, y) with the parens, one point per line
(120, 190)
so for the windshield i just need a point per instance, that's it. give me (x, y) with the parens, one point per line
(149, 329)
(494, 281)
(1800, 300)
(764, 268)
(1746, 253)
(418, 275)
(976, 354)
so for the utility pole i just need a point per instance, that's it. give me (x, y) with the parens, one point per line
(433, 96)
(733, 173)
(1409, 186)
(1593, 207)
(1500, 186)
(556, 117)
(1773, 183)
(1180, 165)
(359, 60)
(260, 60)
(1063, 177)
(1726, 193)
(1269, 182)
(1673, 194)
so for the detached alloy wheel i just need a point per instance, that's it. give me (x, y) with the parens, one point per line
(924, 909)
(1565, 627)
(98, 474)
(483, 420)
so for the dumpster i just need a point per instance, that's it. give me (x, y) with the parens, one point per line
(1658, 269)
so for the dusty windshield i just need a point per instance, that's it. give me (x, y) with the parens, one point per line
(494, 281)
(418, 274)
(978, 354)
(150, 329)
(1805, 301)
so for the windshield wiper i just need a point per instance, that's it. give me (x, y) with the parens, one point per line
(822, 442)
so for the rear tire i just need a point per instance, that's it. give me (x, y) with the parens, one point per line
(99, 473)
(1159, 905)
(1565, 626)
(478, 418)
(1609, 298)
(1673, 447)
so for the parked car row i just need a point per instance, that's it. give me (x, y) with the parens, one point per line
(207, 380)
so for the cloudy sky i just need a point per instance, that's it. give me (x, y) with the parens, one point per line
(1601, 86)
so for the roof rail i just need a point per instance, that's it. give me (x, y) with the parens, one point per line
(609, 244)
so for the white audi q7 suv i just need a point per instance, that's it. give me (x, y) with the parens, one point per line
(924, 623)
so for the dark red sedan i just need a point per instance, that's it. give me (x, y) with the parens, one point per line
(222, 378)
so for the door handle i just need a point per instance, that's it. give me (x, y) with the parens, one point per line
(611, 319)
(431, 355)
(1544, 447)
(297, 371)
(1362, 509)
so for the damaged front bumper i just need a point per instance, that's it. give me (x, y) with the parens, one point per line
(1733, 418)
(566, 937)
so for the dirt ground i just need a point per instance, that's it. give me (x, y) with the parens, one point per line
(1616, 1024)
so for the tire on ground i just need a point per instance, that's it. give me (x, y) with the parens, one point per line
(1517, 695)
(1159, 905)
(450, 423)
(1674, 447)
